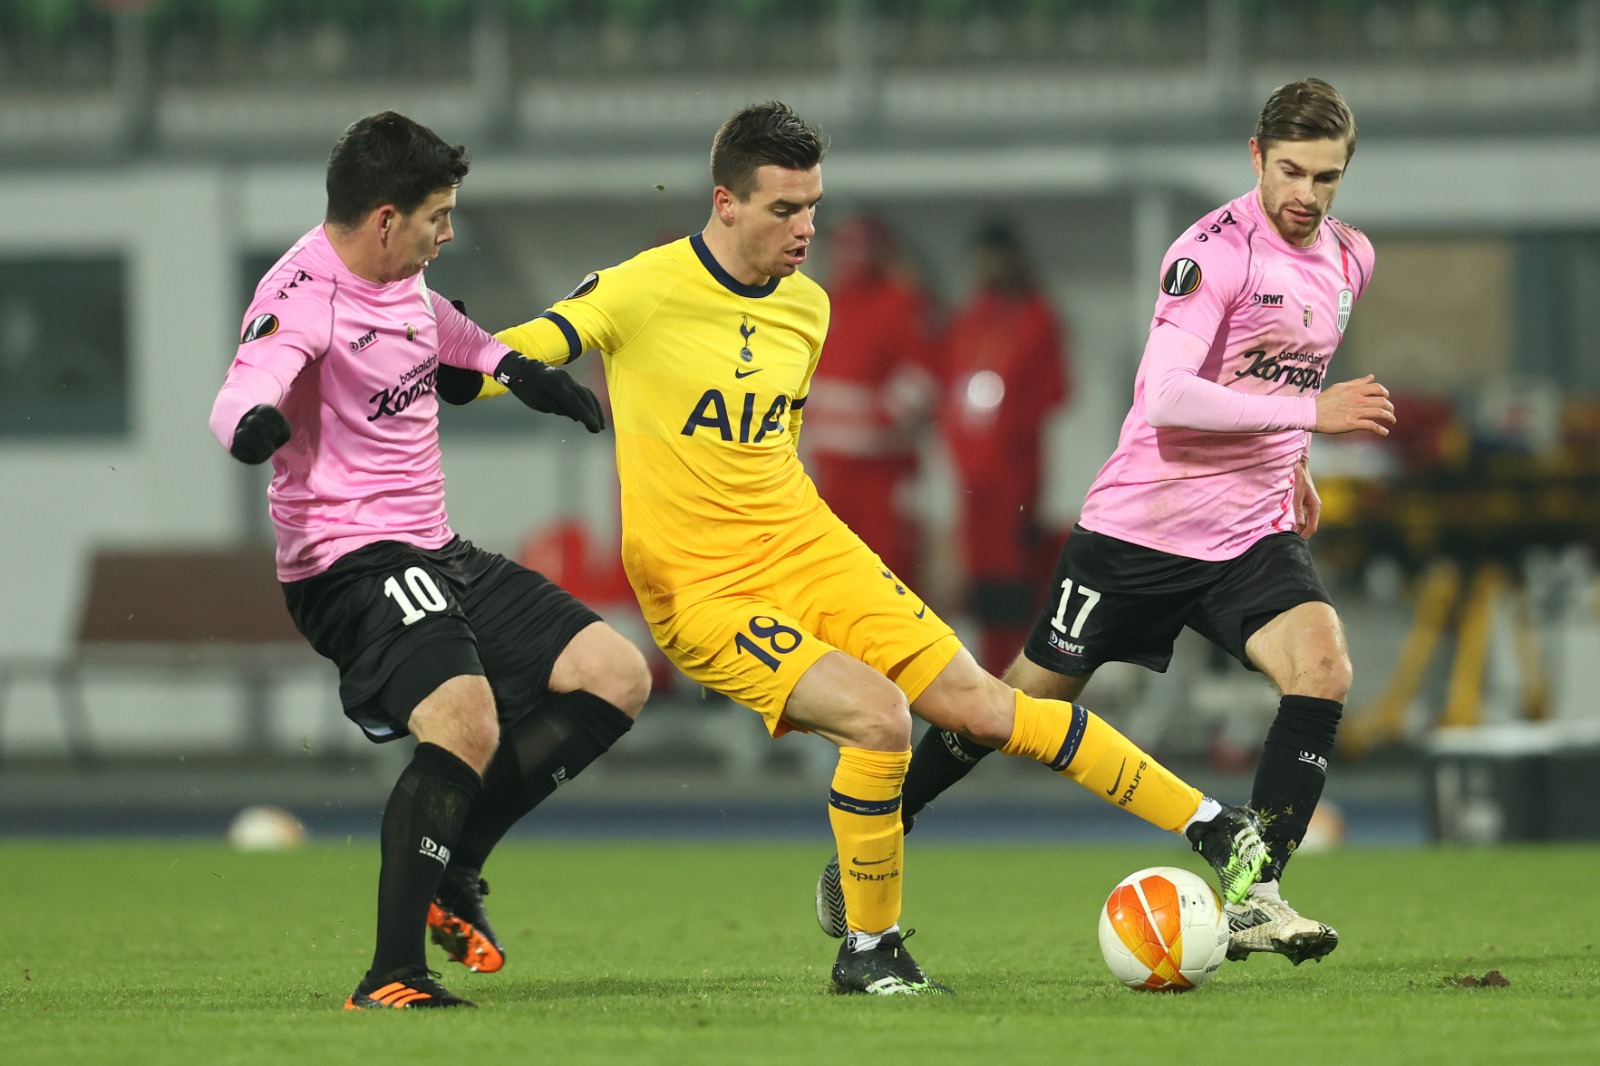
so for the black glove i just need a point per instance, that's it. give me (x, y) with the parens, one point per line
(262, 431)
(544, 388)
(456, 384)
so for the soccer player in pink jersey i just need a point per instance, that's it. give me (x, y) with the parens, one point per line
(509, 684)
(1200, 517)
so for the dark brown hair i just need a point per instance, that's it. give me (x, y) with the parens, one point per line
(1308, 110)
(388, 159)
(768, 134)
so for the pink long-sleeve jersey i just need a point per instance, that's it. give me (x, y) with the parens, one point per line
(351, 363)
(1205, 463)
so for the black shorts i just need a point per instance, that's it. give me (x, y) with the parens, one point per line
(399, 621)
(1112, 601)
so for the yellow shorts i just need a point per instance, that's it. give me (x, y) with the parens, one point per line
(752, 641)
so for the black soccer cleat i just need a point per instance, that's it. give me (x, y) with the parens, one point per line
(1231, 842)
(459, 924)
(886, 970)
(830, 901)
(404, 989)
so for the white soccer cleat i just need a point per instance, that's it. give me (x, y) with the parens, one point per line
(1266, 922)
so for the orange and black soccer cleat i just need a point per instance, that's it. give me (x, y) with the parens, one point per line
(459, 924)
(403, 989)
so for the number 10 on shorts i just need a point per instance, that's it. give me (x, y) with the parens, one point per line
(1059, 622)
(777, 638)
(425, 595)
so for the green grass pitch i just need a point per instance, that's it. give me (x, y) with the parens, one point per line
(662, 952)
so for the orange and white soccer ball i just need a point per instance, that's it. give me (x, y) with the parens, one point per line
(1163, 930)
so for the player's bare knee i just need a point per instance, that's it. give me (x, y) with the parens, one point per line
(1330, 677)
(1322, 665)
(478, 734)
(601, 661)
(885, 728)
(481, 744)
(876, 717)
(627, 685)
(460, 717)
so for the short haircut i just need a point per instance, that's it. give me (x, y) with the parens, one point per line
(768, 134)
(388, 159)
(1308, 110)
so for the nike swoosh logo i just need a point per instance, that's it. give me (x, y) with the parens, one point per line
(875, 862)
(1112, 791)
(923, 611)
(747, 373)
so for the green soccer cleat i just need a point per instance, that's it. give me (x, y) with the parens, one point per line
(885, 970)
(1267, 923)
(1231, 842)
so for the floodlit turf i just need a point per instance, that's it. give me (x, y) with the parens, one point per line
(187, 953)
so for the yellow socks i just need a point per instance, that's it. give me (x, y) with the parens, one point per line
(864, 810)
(1079, 744)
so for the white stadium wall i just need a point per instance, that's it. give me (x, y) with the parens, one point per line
(1097, 219)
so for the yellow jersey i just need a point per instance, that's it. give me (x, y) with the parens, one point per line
(706, 376)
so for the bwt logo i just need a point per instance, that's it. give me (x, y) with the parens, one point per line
(1061, 644)
(1265, 299)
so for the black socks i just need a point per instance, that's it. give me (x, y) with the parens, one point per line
(421, 821)
(1292, 771)
(941, 758)
(548, 747)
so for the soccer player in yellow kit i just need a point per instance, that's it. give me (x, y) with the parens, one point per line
(753, 587)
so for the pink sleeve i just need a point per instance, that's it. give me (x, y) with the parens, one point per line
(1176, 397)
(282, 334)
(245, 387)
(462, 342)
(1204, 274)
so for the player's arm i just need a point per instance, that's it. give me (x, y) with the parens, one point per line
(459, 384)
(795, 418)
(796, 409)
(1177, 397)
(474, 365)
(246, 416)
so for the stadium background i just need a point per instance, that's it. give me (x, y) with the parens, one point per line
(156, 156)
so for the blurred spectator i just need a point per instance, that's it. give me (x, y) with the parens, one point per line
(873, 391)
(1004, 371)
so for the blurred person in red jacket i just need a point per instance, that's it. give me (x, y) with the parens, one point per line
(872, 394)
(1004, 370)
